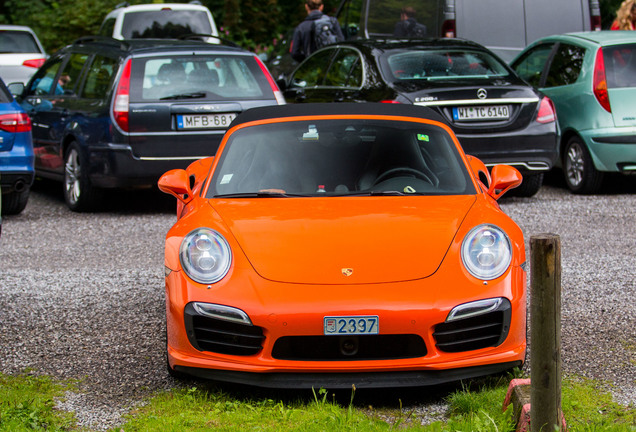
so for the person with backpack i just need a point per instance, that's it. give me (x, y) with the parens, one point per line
(408, 27)
(317, 30)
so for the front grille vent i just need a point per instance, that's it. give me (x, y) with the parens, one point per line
(338, 348)
(223, 337)
(468, 334)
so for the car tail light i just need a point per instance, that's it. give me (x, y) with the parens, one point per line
(277, 93)
(595, 22)
(122, 98)
(449, 29)
(547, 113)
(34, 63)
(15, 122)
(600, 82)
(390, 101)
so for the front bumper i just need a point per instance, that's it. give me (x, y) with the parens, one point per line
(286, 313)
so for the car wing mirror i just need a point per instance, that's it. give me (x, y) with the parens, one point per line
(16, 88)
(480, 171)
(504, 178)
(177, 183)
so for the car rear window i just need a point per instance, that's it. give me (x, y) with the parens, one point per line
(165, 24)
(441, 64)
(620, 65)
(12, 41)
(216, 77)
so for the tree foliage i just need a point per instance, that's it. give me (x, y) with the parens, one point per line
(251, 23)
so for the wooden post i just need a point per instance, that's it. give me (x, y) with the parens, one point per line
(545, 333)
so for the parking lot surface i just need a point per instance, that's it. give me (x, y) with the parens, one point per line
(81, 295)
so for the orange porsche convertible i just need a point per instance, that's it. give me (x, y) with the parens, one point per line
(336, 244)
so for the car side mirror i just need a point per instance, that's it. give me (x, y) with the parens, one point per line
(16, 88)
(177, 183)
(504, 178)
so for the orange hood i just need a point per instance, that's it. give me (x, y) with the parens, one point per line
(314, 240)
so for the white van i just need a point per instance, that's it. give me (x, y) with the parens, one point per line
(159, 20)
(504, 26)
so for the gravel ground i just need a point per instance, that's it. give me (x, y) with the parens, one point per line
(82, 295)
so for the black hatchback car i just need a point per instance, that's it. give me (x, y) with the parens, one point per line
(496, 115)
(109, 113)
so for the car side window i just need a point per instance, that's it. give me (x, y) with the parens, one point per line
(69, 78)
(566, 65)
(99, 77)
(312, 72)
(531, 65)
(345, 70)
(44, 79)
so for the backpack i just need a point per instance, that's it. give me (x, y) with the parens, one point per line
(324, 32)
(417, 31)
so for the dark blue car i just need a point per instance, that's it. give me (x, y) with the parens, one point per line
(16, 154)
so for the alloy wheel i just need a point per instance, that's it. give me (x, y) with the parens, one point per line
(575, 164)
(72, 172)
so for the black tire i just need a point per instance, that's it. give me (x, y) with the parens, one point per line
(79, 194)
(530, 185)
(581, 177)
(14, 202)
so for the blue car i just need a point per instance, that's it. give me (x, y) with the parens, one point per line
(16, 154)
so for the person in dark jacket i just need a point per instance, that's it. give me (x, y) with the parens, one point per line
(408, 27)
(303, 39)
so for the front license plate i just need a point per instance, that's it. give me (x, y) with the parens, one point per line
(489, 112)
(204, 121)
(351, 325)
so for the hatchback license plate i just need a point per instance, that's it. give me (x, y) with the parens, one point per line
(204, 121)
(488, 112)
(351, 325)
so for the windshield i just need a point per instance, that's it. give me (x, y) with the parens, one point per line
(340, 158)
(414, 64)
(165, 23)
(218, 77)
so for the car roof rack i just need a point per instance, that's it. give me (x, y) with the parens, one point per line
(102, 39)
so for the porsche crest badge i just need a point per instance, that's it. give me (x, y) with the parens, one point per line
(347, 271)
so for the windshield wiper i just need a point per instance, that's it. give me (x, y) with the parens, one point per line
(195, 95)
(260, 194)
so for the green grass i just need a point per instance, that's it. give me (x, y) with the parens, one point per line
(27, 404)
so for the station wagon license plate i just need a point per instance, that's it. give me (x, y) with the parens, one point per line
(488, 112)
(351, 325)
(204, 121)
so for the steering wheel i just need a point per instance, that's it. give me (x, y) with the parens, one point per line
(395, 172)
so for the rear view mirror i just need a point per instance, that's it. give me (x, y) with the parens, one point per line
(16, 88)
(504, 178)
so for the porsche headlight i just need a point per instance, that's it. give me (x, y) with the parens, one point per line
(486, 252)
(205, 255)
